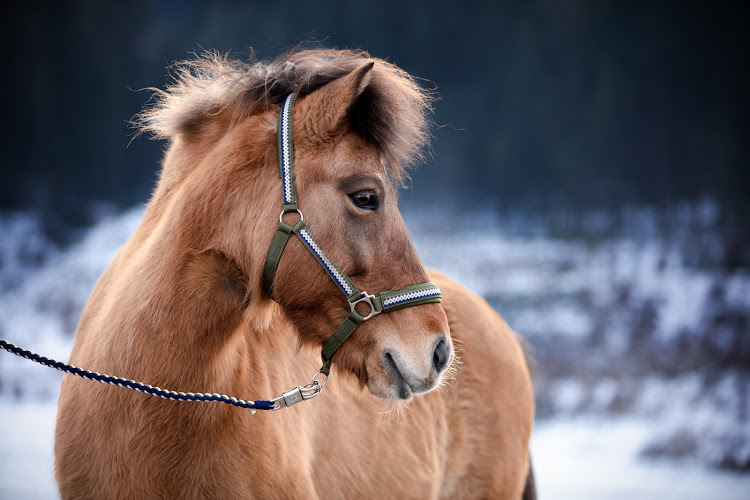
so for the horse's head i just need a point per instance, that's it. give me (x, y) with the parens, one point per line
(357, 124)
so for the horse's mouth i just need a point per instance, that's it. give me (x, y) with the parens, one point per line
(403, 389)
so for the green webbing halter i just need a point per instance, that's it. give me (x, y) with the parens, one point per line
(386, 301)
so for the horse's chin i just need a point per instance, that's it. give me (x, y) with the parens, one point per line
(390, 391)
(397, 391)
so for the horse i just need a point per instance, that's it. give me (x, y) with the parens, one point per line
(430, 401)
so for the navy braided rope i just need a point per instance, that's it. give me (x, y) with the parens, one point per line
(131, 384)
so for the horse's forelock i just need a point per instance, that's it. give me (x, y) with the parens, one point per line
(391, 113)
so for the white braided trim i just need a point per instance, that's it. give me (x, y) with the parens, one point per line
(399, 298)
(286, 154)
(332, 270)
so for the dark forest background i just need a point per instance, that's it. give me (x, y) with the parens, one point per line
(545, 105)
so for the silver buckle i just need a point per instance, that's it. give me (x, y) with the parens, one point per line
(367, 298)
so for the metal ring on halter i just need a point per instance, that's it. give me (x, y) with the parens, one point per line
(367, 298)
(313, 381)
(301, 217)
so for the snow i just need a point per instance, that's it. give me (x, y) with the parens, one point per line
(569, 396)
(26, 450)
(490, 263)
(40, 310)
(588, 458)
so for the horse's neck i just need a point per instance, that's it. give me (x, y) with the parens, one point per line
(171, 316)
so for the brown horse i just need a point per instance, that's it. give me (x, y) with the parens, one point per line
(182, 306)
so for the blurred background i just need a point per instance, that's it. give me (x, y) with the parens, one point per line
(589, 176)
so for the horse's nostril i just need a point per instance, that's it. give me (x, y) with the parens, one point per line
(441, 356)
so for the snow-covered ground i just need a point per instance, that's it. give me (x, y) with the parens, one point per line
(591, 458)
(631, 404)
(26, 450)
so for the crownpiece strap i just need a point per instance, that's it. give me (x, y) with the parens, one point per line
(285, 146)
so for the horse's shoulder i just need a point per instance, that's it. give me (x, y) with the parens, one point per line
(483, 338)
(491, 384)
(472, 313)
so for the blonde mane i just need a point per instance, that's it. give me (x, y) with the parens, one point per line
(391, 114)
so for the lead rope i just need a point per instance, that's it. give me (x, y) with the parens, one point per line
(132, 384)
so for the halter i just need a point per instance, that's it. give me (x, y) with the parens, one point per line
(386, 301)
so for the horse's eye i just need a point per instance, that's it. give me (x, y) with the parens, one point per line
(366, 199)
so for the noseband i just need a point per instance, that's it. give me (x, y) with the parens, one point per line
(386, 301)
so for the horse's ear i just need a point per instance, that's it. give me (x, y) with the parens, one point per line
(326, 110)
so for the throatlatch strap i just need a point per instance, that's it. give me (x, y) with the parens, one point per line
(280, 239)
(285, 145)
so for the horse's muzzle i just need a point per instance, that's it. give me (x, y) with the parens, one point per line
(409, 378)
